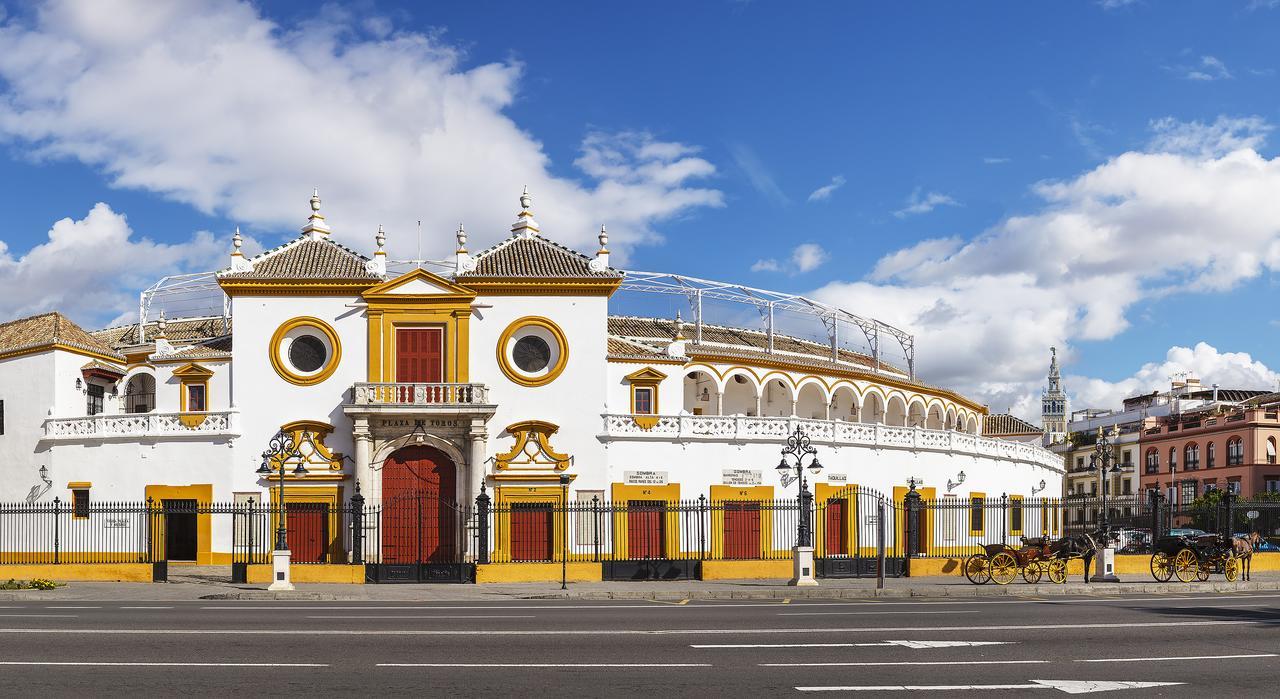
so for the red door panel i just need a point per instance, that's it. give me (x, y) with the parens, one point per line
(837, 535)
(307, 529)
(531, 532)
(741, 530)
(644, 529)
(419, 513)
(419, 355)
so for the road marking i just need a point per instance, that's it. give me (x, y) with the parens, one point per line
(910, 662)
(786, 600)
(442, 616)
(146, 607)
(143, 664)
(903, 644)
(1183, 657)
(936, 611)
(544, 665)
(663, 601)
(616, 632)
(73, 607)
(42, 616)
(1068, 686)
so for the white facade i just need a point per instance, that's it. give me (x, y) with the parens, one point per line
(716, 417)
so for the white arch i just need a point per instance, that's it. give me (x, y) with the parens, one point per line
(973, 424)
(702, 392)
(777, 397)
(845, 403)
(896, 413)
(873, 408)
(934, 419)
(952, 422)
(136, 384)
(741, 394)
(915, 412)
(812, 401)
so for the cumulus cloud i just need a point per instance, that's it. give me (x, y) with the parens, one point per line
(805, 257)
(824, 192)
(93, 267)
(996, 161)
(923, 204)
(1198, 139)
(1204, 361)
(986, 309)
(209, 103)
(1209, 69)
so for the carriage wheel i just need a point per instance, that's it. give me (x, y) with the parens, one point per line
(978, 569)
(1032, 572)
(1231, 568)
(1161, 567)
(1057, 571)
(1004, 568)
(1185, 565)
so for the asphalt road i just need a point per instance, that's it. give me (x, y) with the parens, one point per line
(1211, 645)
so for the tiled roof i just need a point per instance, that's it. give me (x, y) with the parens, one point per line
(49, 329)
(630, 349)
(1228, 395)
(305, 258)
(217, 349)
(534, 256)
(1004, 424)
(103, 366)
(632, 327)
(1267, 398)
(177, 331)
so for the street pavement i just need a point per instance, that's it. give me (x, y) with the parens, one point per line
(1186, 644)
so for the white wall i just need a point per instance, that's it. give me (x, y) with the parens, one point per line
(26, 387)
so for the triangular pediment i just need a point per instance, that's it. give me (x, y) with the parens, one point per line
(419, 282)
(646, 375)
(193, 371)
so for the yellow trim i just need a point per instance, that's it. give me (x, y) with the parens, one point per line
(514, 373)
(540, 432)
(449, 310)
(521, 572)
(747, 569)
(900, 519)
(202, 494)
(822, 494)
(649, 378)
(76, 485)
(293, 287)
(504, 496)
(49, 347)
(981, 509)
(734, 493)
(309, 573)
(73, 487)
(330, 495)
(669, 494)
(82, 572)
(285, 372)
(644, 360)
(523, 286)
(323, 457)
(192, 374)
(1022, 514)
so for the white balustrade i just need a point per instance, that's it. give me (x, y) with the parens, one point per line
(741, 428)
(224, 423)
(420, 394)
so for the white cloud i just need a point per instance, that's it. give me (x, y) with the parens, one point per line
(986, 310)
(805, 257)
(824, 192)
(758, 174)
(996, 161)
(1209, 69)
(208, 103)
(1115, 4)
(917, 204)
(1195, 138)
(92, 268)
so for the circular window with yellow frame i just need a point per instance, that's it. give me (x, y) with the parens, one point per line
(532, 351)
(305, 351)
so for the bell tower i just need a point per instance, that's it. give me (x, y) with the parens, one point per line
(1053, 404)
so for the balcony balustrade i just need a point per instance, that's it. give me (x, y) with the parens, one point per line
(130, 425)
(427, 394)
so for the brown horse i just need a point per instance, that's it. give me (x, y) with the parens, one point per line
(1242, 547)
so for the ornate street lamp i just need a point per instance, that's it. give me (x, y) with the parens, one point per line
(793, 459)
(1102, 463)
(280, 449)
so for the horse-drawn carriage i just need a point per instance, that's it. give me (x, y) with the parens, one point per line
(1194, 558)
(1038, 557)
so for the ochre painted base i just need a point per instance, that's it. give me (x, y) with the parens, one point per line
(80, 572)
(742, 570)
(320, 573)
(536, 572)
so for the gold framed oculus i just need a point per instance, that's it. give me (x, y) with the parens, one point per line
(305, 351)
(532, 351)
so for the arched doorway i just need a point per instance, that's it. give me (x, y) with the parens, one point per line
(419, 507)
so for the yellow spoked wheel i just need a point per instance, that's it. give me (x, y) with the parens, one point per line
(1185, 565)
(1161, 567)
(1004, 568)
(1231, 568)
(1202, 572)
(1032, 572)
(977, 569)
(1057, 571)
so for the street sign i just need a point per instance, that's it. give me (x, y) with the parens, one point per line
(1251, 514)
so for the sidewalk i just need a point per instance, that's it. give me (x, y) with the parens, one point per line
(660, 591)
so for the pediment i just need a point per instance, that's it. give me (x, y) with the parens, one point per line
(646, 375)
(419, 282)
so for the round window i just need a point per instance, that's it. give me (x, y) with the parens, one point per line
(531, 353)
(307, 353)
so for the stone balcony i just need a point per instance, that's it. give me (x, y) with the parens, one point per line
(742, 428)
(420, 398)
(143, 425)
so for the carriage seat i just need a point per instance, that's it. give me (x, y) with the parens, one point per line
(1036, 541)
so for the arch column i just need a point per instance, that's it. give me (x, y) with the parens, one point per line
(477, 439)
(364, 450)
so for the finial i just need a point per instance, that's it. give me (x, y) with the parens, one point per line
(315, 200)
(236, 242)
(462, 238)
(679, 326)
(316, 226)
(524, 226)
(604, 239)
(160, 325)
(381, 240)
(525, 200)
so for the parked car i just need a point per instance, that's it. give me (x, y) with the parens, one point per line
(1265, 547)
(1187, 531)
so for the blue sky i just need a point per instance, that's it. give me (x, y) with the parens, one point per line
(699, 132)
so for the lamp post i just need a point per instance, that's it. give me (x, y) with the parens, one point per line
(1102, 462)
(793, 459)
(564, 531)
(280, 449)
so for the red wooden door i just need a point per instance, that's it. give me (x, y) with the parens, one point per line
(307, 528)
(531, 532)
(645, 529)
(419, 355)
(837, 531)
(419, 512)
(742, 530)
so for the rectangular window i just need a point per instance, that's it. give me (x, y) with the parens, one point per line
(1188, 492)
(643, 400)
(1127, 487)
(1015, 515)
(1272, 485)
(80, 503)
(195, 398)
(585, 530)
(976, 523)
(93, 403)
(1233, 487)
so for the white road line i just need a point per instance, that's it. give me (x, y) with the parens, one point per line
(545, 665)
(886, 644)
(42, 616)
(1067, 686)
(932, 611)
(73, 607)
(911, 662)
(617, 632)
(456, 616)
(1183, 657)
(142, 664)
(144, 607)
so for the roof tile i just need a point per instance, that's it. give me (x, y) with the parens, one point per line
(534, 256)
